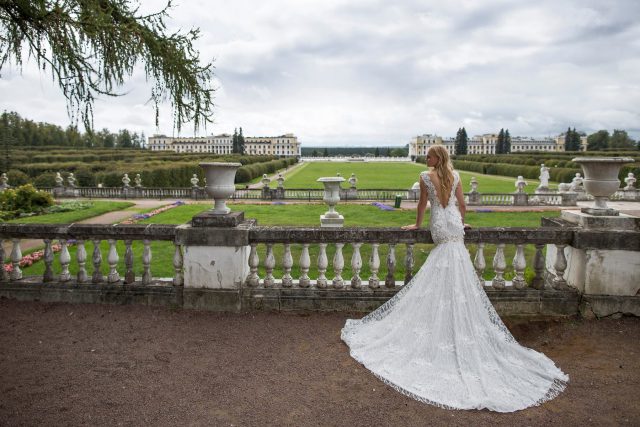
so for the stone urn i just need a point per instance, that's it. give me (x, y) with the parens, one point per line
(601, 180)
(220, 179)
(331, 218)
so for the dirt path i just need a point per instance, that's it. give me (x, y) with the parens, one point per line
(107, 218)
(66, 364)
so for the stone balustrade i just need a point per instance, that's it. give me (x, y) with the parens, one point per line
(291, 268)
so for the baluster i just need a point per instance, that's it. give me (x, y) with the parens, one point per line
(356, 266)
(408, 264)
(338, 266)
(253, 280)
(81, 257)
(65, 260)
(129, 275)
(287, 263)
(146, 262)
(16, 257)
(323, 263)
(519, 264)
(4, 276)
(499, 265)
(390, 280)
(178, 261)
(560, 265)
(305, 264)
(479, 263)
(112, 260)
(538, 268)
(48, 262)
(269, 265)
(374, 266)
(96, 277)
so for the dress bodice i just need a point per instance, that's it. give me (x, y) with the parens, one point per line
(445, 223)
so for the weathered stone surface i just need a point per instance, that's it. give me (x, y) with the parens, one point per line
(608, 305)
(210, 219)
(89, 231)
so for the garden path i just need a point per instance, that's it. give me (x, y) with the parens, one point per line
(107, 218)
(274, 176)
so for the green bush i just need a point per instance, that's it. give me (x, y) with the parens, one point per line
(23, 199)
(47, 179)
(17, 178)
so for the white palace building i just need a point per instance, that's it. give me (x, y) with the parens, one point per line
(486, 144)
(286, 145)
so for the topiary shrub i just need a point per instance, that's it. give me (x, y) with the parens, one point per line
(17, 178)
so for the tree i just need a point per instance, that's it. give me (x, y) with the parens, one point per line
(240, 142)
(90, 47)
(234, 141)
(377, 152)
(620, 139)
(461, 141)
(598, 141)
(500, 142)
(506, 144)
(124, 140)
(6, 138)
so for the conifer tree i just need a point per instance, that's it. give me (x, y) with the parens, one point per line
(500, 142)
(506, 144)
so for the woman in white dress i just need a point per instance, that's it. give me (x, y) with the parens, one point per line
(439, 340)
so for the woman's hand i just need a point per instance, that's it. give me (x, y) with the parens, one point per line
(410, 227)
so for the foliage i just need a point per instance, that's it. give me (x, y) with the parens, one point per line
(572, 140)
(18, 131)
(23, 200)
(620, 140)
(92, 46)
(17, 177)
(461, 141)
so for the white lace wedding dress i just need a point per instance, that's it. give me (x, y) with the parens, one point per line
(440, 341)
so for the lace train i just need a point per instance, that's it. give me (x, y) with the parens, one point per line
(440, 341)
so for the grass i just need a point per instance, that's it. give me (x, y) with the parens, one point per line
(97, 208)
(391, 175)
(308, 215)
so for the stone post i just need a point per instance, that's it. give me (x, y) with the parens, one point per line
(520, 198)
(474, 196)
(215, 249)
(352, 192)
(266, 191)
(280, 188)
(4, 182)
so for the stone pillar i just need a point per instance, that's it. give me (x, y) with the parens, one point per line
(602, 262)
(216, 260)
(474, 196)
(280, 188)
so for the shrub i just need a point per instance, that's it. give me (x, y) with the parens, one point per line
(47, 179)
(24, 199)
(17, 178)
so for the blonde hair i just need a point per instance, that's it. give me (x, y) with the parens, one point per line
(444, 172)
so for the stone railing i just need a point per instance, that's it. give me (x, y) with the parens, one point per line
(288, 268)
(105, 282)
(346, 194)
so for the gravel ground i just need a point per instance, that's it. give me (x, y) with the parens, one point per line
(64, 364)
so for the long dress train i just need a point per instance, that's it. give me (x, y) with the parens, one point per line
(440, 341)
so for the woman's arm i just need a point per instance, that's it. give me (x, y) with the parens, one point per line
(461, 206)
(422, 206)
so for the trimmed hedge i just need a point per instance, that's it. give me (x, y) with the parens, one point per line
(533, 172)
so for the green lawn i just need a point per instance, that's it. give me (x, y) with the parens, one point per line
(97, 208)
(390, 175)
(305, 214)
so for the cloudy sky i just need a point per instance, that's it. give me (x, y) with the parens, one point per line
(353, 72)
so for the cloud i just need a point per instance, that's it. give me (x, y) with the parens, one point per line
(377, 73)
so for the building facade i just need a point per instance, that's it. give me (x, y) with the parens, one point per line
(285, 145)
(486, 144)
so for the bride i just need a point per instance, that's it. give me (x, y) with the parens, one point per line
(439, 340)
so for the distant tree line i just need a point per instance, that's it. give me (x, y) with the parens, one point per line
(18, 131)
(355, 151)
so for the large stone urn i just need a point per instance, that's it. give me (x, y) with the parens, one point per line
(601, 181)
(331, 218)
(220, 179)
